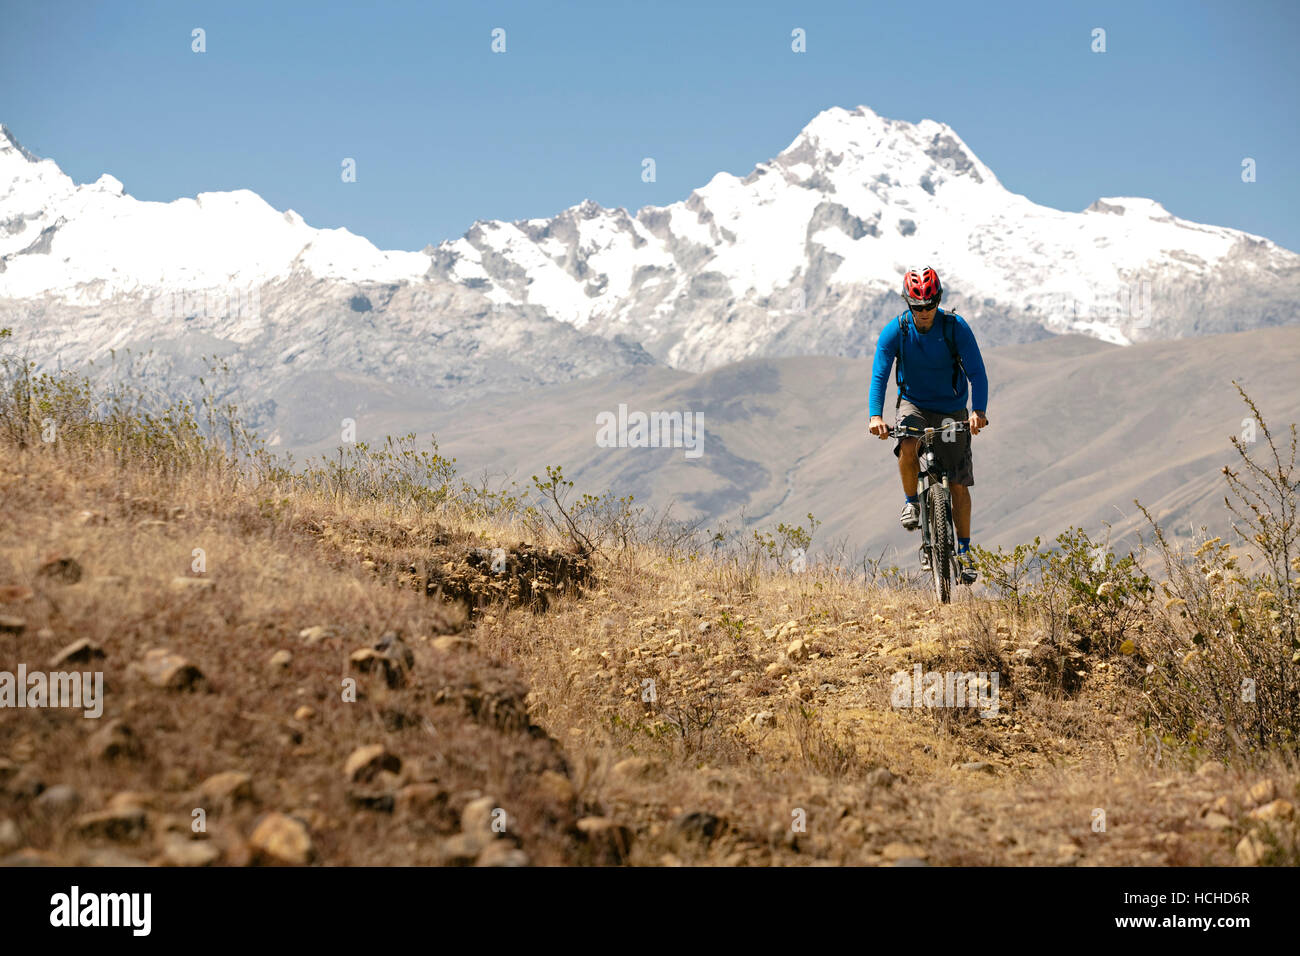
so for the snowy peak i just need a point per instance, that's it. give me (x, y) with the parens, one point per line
(1131, 206)
(801, 256)
(9, 144)
(861, 142)
(90, 243)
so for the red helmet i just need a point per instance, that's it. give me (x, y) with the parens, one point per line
(922, 287)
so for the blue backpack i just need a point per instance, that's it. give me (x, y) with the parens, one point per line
(949, 328)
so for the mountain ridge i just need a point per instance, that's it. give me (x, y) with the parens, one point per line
(800, 256)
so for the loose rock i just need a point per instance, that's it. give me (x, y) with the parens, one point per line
(366, 762)
(282, 839)
(114, 740)
(178, 851)
(170, 671)
(60, 798)
(78, 652)
(231, 785)
(124, 824)
(1274, 810)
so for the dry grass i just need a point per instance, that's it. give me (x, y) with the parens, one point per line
(746, 748)
(458, 720)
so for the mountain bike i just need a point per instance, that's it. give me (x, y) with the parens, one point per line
(938, 534)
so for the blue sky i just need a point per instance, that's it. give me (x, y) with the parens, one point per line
(445, 132)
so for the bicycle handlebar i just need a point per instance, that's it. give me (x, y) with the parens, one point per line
(893, 430)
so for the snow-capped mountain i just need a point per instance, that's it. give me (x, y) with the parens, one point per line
(801, 256)
(805, 255)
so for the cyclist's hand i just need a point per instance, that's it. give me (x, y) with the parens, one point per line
(977, 421)
(878, 427)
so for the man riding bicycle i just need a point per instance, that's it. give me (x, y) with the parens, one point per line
(934, 366)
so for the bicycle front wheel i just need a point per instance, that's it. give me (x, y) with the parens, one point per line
(941, 542)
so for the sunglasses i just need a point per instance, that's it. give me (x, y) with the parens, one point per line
(923, 308)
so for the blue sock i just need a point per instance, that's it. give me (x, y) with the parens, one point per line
(963, 545)
(911, 499)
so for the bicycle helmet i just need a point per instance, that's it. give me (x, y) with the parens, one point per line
(922, 287)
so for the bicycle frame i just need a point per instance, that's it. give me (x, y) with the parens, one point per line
(932, 475)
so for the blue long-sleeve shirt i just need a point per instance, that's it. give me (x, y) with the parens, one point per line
(927, 367)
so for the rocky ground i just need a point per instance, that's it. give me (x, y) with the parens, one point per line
(291, 681)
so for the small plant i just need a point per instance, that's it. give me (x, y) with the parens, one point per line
(1011, 574)
(1224, 660)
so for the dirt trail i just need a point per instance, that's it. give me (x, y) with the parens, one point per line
(770, 718)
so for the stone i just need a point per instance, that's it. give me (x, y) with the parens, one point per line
(462, 849)
(367, 660)
(1211, 768)
(901, 851)
(1251, 850)
(777, 669)
(113, 741)
(977, 766)
(78, 652)
(500, 853)
(365, 762)
(169, 671)
(123, 824)
(1215, 821)
(58, 799)
(178, 851)
(420, 798)
(304, 713)
(232, 785)
(796, 651)
(282, 839)
(1262, 792)
(1274, 810)
(316, 634)
(478, 815)
(10, 837)
(280, 660)
(765, 718)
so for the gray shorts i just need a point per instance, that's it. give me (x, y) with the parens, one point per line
(954, 454)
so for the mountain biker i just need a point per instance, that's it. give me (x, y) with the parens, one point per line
(934, 367)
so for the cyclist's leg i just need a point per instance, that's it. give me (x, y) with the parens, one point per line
(909, 468)
(907, 449)
(961, 509)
